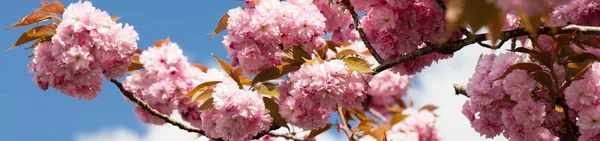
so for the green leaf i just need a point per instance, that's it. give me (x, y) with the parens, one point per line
(398, 118)
(230, 71)
(358, 65)
(273, 73)
(274, 112)
(206, 105)
(529, 67)
(268, 89)
(314, 133)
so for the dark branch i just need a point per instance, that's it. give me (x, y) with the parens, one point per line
(286, 136)
(460, 90)
(169, 120)
(451, 47)
(362, 34)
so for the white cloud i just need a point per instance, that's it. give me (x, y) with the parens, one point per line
(165, 132)
(436, 87)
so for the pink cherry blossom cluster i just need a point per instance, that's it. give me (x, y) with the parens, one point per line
(525, 115)
(167, 75)
(398, 27)
(385, 88)
(313, 92)
(255, 34)
(418, 126)
(87, 45)
(237, 114)
(583, 96)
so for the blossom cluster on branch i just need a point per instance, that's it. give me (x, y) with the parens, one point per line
(294, 63)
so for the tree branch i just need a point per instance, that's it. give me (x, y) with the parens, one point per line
(460, 90)
(345, 124)
(171, 121)
(362, 34)
(153, 111)
(286, 136)
(451, 47)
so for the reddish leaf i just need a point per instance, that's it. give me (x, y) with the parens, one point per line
(398, 118)
(344, 52)
(221, 26)
(44, 2)
(39, 41)
(530, 67)
(429, 107)
(115, 18)
(160, 43)
(206, 105)
(35, 33)
(592, 43)
(35, 17)
(575, 70)
(495, 27)
(522, 50)
(314, 133)
(201, 67)
(274, 112)
(273, 73)
(202, 91)
(581, 56)
(543, 78)
(53, 7)
(544, 57)
(365, 127)
(230, 71)
(135, 63)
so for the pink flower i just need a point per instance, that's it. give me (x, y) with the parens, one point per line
(589, 118)
(581, 94)
(580, 12)
(529, 113)
(419, 125)
(237, 114)
(315, 90)
(519, 84)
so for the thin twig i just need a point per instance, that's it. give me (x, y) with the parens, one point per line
(286, 136)
(377, 114)
(362, 34)
(345, 124)
(451, 47)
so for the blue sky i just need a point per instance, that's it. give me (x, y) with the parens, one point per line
(30, 114)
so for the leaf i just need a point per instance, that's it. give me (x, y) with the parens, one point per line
(543, 78)
(35, 17)
(115, 18)
(532, 23)
(395, 109)
(494, 27)
(39, 41)
(474, 13)
(230, 71)
(398, 118)
(530, 67)
(592, 43)
(243, 79)
(559, 108)
(429, 107)
(523, 50)
(331, 45)
(379, 133)
(561, 41)
(274, 112)
(314, 133)
(400, 103)
(201, 67)
(273, 73)
(202, 91)
(268, 89)
(575, 70)
(160, 43)
(345, 52)
(295, 55)
(545, 57)
(365, 127)
(35, 33)
(206, 105)
(221, 26)
(359, 113)
(135, 63)
(358, 65)
(53, 7)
